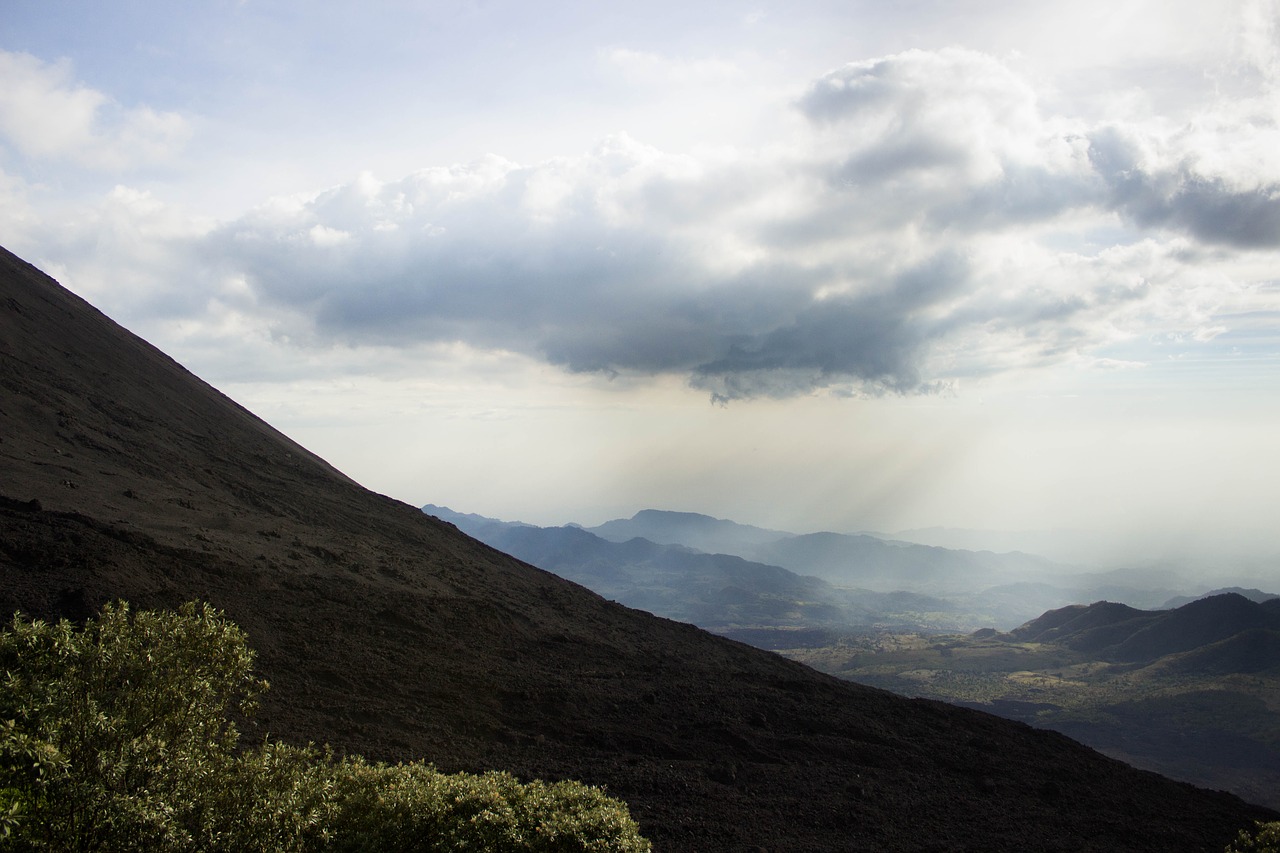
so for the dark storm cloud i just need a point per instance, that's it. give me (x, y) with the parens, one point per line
(583, 293)
(872, 340)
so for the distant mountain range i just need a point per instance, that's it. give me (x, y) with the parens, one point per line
(718, 591)
(763, 585)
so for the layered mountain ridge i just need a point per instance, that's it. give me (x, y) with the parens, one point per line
(389, 633)
(1115, 632)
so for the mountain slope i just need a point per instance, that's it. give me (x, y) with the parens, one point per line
(389, 633)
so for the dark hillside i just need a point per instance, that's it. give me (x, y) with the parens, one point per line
(1120, 633)
(1194, 625)
(387, 632)
(1068, 624)
(1253, 651)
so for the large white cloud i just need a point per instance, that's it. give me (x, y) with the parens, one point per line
(46, 115)
(929, 224)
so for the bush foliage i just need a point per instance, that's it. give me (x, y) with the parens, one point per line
(1265, 839)
(119, 736)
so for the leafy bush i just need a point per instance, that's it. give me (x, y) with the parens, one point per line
(119, 737)
(1265, 839)
(412, 807)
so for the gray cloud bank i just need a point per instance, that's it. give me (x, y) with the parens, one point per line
(913, 235)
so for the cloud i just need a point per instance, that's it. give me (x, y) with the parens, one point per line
(1213, 175)
(1259, 36)
(1210, 207)
(46, 115)
(929, 224)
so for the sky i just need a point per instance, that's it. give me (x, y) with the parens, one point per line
(808, 265)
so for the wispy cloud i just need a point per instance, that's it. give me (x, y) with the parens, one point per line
(46, 115)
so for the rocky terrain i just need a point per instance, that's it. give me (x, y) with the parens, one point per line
(389, 633)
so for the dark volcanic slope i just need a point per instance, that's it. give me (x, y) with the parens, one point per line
(389, 633)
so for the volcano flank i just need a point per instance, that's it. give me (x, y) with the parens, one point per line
(389, 633)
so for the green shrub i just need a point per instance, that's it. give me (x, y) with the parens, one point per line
(412, 807)
(119, 737)
(1265, 839)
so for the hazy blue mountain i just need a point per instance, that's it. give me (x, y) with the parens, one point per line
(868, 580)
(722, 592)
(860, 560)
(889, 565)
(1070, 546)
(712, 535)
(1251, 594)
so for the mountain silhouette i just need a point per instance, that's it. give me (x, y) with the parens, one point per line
(1116, 632)
(692, 529)
(389, 633)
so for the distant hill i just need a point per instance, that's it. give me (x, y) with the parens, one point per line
(1089, 628)
(392, 634)
(1189, 692)
(1251, 594)
(883, 565)
(711, 535)
(1248, 652)
(1114, 632)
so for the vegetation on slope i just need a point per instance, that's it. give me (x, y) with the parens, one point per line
(121, 735)
(1265, 839)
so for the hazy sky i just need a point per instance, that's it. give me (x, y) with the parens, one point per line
(841, 265)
